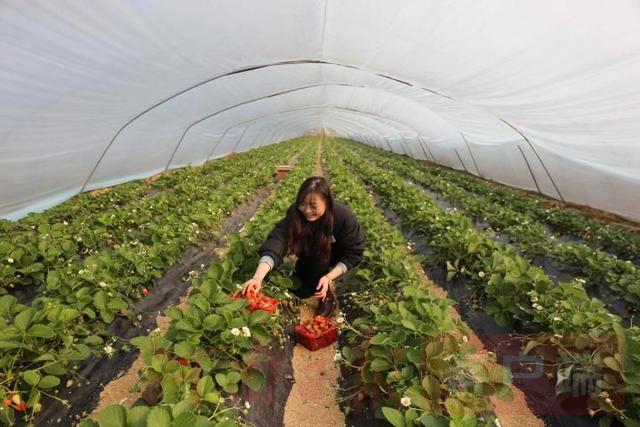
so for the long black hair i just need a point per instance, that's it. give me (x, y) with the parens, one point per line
(312, 237)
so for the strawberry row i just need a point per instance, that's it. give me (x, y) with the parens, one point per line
(26, 256)
(211, 346)
(596, 267)
(515, 292)
(411, 355)
(618, 239)
(67, 323)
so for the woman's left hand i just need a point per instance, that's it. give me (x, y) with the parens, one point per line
(322, 288)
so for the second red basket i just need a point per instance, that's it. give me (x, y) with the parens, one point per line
(317, 333)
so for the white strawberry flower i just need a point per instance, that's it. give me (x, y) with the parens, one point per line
(235, 332)
(481, 274)
(109, 350)
(10, 260)
(246, 332)
(102, 284)
(247, 405)
(405, 401)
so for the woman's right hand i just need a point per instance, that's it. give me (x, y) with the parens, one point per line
(251, 285)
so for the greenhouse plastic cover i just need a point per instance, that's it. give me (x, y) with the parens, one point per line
(541, 95)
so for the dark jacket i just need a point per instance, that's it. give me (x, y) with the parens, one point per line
(348, 246)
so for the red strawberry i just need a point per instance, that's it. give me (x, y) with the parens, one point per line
(183, 361)
(145, 291)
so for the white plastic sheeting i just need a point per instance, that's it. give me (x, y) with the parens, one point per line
(542, 95)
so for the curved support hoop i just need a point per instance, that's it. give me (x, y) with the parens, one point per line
(208, 116)
(535, 181)
(251, 121)
(235, 147)
(423, 150)
(471, 154)
(231, 73)
(537, 155)
(217, 143)
(403, 144)
(429, 149)
(461, 162)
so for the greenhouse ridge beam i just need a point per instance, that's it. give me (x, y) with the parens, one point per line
(330, 107)
(231, 73)
(208, 116)
(295, 110)
(249, 69)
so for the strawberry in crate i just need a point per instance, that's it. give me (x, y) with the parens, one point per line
(317, 333)
(258, 301)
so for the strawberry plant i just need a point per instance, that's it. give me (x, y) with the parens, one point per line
(66, 322)
(210, 347)
(513, 290)
(408, 351)
(596, 267)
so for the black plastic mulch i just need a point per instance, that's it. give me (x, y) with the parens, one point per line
(505, 341)
(557, 273)
(268, 404)
(83, 396)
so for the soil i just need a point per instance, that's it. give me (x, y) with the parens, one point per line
(557, 273)
(313, 396)
(118, 389)
(534, 392)
(153, 178)
(98, 192)
(360, 414)
(268, 404)
(312, 400)
(98, 373)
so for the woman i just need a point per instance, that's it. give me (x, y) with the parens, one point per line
(325, 236)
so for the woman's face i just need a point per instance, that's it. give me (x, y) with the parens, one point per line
(312, 207)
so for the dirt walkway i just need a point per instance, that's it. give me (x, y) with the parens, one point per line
(312, 401)
(514, 413)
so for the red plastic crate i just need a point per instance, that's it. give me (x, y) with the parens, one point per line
(253, 302)
(316, 342)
